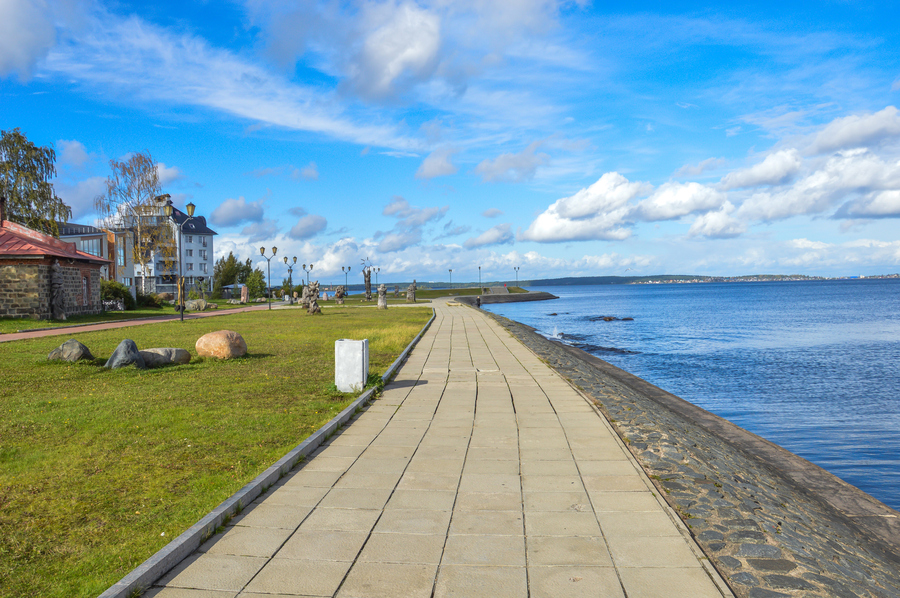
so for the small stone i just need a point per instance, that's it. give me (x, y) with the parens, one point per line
(195, 304)
(730, 562)
(71, 350)
(759, 550)
(156, 357)
(125, 354)
(710, 535)
(741, 523)
(745, 535)
(716, 546)
(783, 565)
(745, 579)
(222, 344)
(764, 593)
(786, 582)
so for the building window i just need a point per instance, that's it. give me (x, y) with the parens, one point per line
(190, 253)
(190, 238)
(120, 254)
(203, 241)
(203, 268)
(190, 266)
(91, 246)
(202, 254)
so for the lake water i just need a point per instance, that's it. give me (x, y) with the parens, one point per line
(812, 366)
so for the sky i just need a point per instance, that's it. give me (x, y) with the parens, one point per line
(562, 138)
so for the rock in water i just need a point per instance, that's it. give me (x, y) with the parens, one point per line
(223, 344)
(157, 357)
(71, 350)
(126, 354)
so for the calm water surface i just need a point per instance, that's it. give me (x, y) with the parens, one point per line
(811, 366)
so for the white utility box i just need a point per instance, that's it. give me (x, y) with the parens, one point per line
(351, 364)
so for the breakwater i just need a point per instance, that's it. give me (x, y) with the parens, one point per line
(772, 523)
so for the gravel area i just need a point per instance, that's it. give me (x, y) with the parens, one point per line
(767, 534)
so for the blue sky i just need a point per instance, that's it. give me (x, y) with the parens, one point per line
(566, 138)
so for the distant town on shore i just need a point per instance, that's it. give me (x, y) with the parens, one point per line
(690, 279)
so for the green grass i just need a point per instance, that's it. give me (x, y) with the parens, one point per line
(100, 469)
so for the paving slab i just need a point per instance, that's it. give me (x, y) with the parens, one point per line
(479, 472)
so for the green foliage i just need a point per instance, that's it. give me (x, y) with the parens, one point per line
(149, 300)
(111, 289)
(25, 174)
(229, 270)
(256, 284)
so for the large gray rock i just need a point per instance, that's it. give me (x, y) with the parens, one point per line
(195, 304)
(71, 350)
(126, 354)
(157, 357)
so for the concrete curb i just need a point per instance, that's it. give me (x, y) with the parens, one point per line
(142, 577)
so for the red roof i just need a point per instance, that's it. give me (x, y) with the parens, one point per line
(18, 240)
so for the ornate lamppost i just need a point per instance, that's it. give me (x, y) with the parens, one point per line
(479, 279)
(377, 270)
(308, 272)
(262, 252)
(290, 279)
(346, 272)
(451, 277)
(516, 268)
(169, 211)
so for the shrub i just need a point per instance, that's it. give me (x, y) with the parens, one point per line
(111, 290)
(149, 300)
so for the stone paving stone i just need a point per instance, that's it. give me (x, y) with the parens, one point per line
(368, 480)
(468, 580)
(414, 521)
(490, 483)
(312, 545)
(501, 551)
(491, 467)
(578, 550)
(574, 582)
(631, 483)
(428, 481)
(379, 465)
(499, 523)
(213, 572)
(388, 580)
(301, 496)
(659, 551)
(246, 541)
(565, 467)
(561, 523)
(356, 498)
(557, 501)
(642, 524)
(655, 582)
(605, 468)
(272, 515)
(430, 500)
(551, 483)
(186, 593)
(623, 501)
(313, 479)
(299, 578)
(404, 548)
(341, 519)
(487, 501)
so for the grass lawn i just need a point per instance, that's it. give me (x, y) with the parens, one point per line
(100, 469)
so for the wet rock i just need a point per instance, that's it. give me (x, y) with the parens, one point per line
(71, 350)
(125, 354)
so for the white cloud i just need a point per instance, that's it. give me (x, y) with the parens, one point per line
(492, 213)
(232, 212)
(261, 231)
(882, 204)
(497, 235)
(437, 163)
(674, 200)
(168, 174)
(80, 196)
(719, 224)
(309, 172)
(700, 168)
(308, 226)
(596, 212)
(858, 130)
(775, 169)
(412, 216)
(26, 36)
(72, 154)
(400, 240)
(513, 167)
(896, 85)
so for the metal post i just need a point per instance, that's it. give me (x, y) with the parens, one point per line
(262, 252)
(451, 277)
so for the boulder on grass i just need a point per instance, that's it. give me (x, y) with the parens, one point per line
(166, 296)
(222, 344)
(71, 350)
(157, 357)
(126, 354)
(195, 304)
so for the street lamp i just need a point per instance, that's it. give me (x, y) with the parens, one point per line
(346, 272)
(290, 279)
(516, 268)
(262, 252)
(451, 277)
(377, 270)
(308, 272)
(479, 279)
(169, 211)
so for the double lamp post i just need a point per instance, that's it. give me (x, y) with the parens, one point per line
(169, 211)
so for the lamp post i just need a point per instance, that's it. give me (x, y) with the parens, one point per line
(262, 252)
(451, 277)
(346, 272)
(169, 211)
(290, 279)
(516, 268)
(308, 272)
(479, 279)
(377, 270)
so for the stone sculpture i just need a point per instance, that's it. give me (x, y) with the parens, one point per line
(339, 295)
(367, 275)
(57, 292)
(382, 296)
(304, 296)
(411, 292)
(245, 294)
(314, 298)
(396, 291)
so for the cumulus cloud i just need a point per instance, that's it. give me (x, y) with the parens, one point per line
(858, 130)
(882, 204)
(596, 212)
(775, 169)
(408, 229)
(80, 195)
(513, 167)
(309, 172)
(492, 213)
(261, 231)
(450, 230)
(26, 36)
(700, 168)
(497, 235)
(718, 224)
(72, 154)
(437, 163)
(399, 240)
(308, 226)
(232, 212)
(674, 200)
(168, 174)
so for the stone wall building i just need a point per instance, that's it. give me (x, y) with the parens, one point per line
(42, 277)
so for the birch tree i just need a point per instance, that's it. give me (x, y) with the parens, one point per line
(25, 174)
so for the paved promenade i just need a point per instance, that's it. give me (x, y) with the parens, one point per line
(479, 472)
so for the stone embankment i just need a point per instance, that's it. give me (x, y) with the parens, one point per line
(507, 298)
(772, 523)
